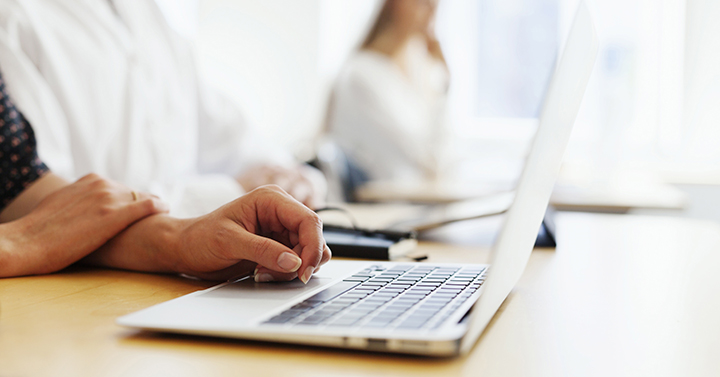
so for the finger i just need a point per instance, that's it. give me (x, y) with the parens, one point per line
(327, 255)
(272, 207)
(313, 245)
(265, 275)
(282, 237)
(293, 238)
(266, 252)
(160, 206)
(145, 205)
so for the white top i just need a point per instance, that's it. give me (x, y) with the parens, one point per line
(110, 89)
(391, 122)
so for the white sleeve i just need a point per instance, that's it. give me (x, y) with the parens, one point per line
(31, 92)
(364, 111)
(199, 194)
(227, 147)
(227, 143)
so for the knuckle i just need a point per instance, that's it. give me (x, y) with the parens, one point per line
(105, 210)
(104, 196)
(271, 189)
(99, 183)
(268, 191)
(316, 220)
(90, 177)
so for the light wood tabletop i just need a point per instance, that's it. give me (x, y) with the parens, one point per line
(620, 296)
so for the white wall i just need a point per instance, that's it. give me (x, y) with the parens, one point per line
(702, 85)
(343, 25)
(278, 58)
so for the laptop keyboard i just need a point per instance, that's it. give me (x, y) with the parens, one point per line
(405, 297)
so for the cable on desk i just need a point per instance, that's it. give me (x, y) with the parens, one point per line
(353, 221)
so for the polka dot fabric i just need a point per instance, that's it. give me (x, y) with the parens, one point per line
(19, 162)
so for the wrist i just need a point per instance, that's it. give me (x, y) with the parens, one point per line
(149, 245)
(17, 250)
(167, 238)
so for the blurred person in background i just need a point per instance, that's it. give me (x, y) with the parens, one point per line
(387, 108)
(111, 89)
(47, 223)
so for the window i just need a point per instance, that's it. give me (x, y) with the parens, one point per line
(501, 54)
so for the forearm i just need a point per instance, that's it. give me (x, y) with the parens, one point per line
(25, 249)
(149, 245)
(9, 247)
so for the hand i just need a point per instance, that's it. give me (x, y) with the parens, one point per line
(304, 183)
(265, 229)
(71, 223)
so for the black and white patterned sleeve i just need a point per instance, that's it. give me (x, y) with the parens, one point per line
(19, 162)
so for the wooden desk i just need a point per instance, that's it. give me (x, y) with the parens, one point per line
(621, 296)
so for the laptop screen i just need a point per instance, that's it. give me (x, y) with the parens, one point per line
(561, 106)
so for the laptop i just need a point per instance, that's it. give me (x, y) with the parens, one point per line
(412, 308)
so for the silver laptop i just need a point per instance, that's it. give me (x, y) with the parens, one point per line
(415, 308)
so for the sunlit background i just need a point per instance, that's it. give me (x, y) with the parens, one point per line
(649, 118)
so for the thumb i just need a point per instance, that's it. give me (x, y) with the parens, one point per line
(267, 252)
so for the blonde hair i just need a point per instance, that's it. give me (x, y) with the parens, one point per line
(383, 20)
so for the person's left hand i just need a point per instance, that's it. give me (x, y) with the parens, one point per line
(302, 182)
(72, 222)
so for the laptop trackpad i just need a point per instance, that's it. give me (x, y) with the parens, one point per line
(249, 289)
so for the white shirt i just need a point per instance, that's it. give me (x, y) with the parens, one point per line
(110, 89)
(389, 121)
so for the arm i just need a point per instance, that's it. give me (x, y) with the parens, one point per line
(266, 230)
(228, 144)
(53, 224)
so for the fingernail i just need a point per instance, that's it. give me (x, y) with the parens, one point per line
(307, 275)
(256, 270)
(289, 262)
(264, 278)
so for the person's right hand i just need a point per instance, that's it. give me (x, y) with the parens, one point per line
(265, 230)
(71, 223)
